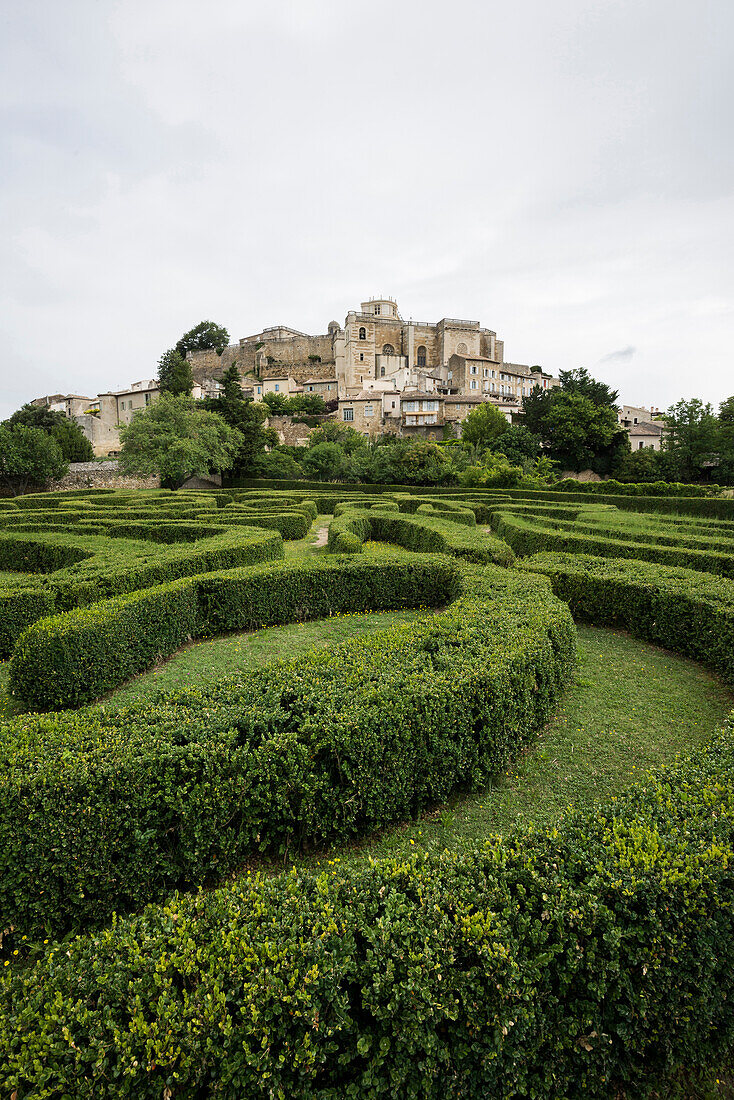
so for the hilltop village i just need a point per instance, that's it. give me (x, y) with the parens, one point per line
(377, 372)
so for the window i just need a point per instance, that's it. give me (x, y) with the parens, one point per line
(473, 370)
(494, 374)
(388, 349)
(361, 357)
(277, 388)
(310, 389)
(393, 404)
(147, 399)
(430, 419)
(377, 311)
(410, 420)
(450, 375)
(640, 445)
(329, 387)
(461, 349)
(473, 385)
(485, 372)
(421, 355)
(259, 389)
(486, 387)
(348, 414)
(363, 334)
(410, 406)
(382, 372)
(369, 410)
(430, 406)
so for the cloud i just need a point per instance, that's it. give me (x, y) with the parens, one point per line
(280, 163)
(621, 355)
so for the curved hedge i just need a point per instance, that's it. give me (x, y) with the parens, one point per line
(130, 566)
(101, 810)
(424, 533)
(690, 612)
(577, 962)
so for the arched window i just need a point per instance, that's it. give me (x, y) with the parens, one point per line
(388, 349)
(461, 349)
(382, 372)
(363, 334)
(421, 353)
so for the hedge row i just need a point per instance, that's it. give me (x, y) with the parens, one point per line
(530, 535)
(586, 961)
(70, 659)
(423, 533)
(128, 569)
(103, 810)
(690, 612)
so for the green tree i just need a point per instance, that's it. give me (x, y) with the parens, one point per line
(174, 373)
(75, 447)
(277, 464)
(484, 425)
(247, 417)
(410, 462)
(580, 381)
(645, 465)
(690, 441)
(325, 462)
(176, 438)
(581, 435)
(29, 456)
(494, 472)
(535, 409)
(519, 444)
(725, 472)
(332, 431)
(206, 336)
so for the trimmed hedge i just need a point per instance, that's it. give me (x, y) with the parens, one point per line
(129, 568)
(423, 533)
(73, 658)
(103, 810)
(690, 612)
(585, 961)
(529, 535)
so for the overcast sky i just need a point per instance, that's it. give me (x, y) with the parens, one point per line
(560, 171)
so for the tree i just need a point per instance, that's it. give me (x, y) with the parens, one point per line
(484, 425)
(247, 417)
(518, 444)
(331, 431)
(278, 464)
(691, 439)
(206, 336)
(176, 438)
(725, 472)
(410, 462)
(581, 435)
(535, 409)
(325, 462)
(29, 456)
(580, 381)
(75, 447)
(174, 373)
(494, 472)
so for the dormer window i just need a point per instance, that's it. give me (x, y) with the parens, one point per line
(363, 334)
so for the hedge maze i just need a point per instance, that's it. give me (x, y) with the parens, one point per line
(591, 959)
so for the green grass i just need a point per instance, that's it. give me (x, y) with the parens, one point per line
(631, 707)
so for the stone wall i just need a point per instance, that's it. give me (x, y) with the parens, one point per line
(101, 475)
(290, 432)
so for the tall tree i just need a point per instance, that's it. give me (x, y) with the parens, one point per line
(484, 425)
(691, 439)
(246, 417)
(29, 456)
(176, 438)
(75, 447)
(580, 381)
(206, 336)
(174, 373)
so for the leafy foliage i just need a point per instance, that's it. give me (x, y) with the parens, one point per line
(29, 456)
(175, 439)
(484, 425)
(206, 336)
(174, 374)
(75, 447)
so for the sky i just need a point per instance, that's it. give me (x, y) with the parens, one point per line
(562, 172)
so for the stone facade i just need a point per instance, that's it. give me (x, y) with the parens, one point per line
(101, 475)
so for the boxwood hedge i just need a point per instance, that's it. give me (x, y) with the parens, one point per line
(590, 960)
(421, 532)
(103, 810)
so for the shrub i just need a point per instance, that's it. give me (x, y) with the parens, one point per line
(585, 961)
(423, 533)
(118, 808)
